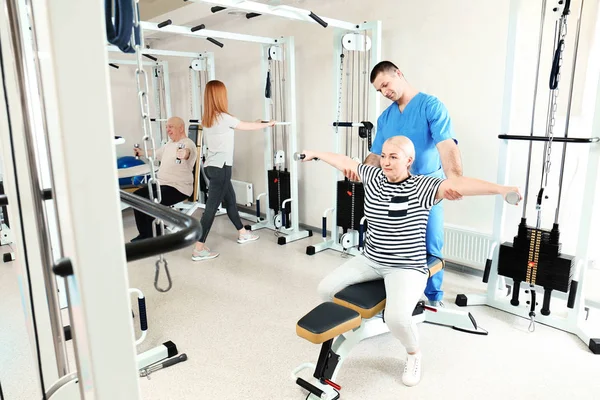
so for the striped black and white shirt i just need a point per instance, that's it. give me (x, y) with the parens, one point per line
(397, 215)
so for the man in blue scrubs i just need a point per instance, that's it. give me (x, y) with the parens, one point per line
(425, 120)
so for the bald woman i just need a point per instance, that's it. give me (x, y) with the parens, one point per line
(397, 206)
(176, 178)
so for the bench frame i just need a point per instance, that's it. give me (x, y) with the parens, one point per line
(335, 351)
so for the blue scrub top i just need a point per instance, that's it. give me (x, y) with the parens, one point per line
(425, 121)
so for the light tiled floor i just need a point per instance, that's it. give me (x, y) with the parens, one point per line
(235, 318)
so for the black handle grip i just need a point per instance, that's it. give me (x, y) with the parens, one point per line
(115, 66)
(324, 233)
(572, 294)
(67, 332)
(486, 270)
(63, 267)
(346, 124)
(310, 387)
(317, 19)
(190, 232)
(540, 196)
(143, 318)
(555, 70)
(194, 121)
(515, 294)
(567, 8)
(164, 23)
(546, 305)
(252, 15)
(150, 57)
(361, 234)
(213, 41)
(216, 9)
(198, 27)
(174, 360)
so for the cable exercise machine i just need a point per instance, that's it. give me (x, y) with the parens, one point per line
(281, 175)
(534, 257)
(356, 46)
(200, 71)
(355, 104)
(281, 180)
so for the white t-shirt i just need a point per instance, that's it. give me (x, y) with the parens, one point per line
(219, 141)
(179, 176)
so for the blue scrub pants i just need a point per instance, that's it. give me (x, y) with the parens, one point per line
(435, 242)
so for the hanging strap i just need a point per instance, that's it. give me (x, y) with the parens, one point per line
(268, 86)
(119, 33)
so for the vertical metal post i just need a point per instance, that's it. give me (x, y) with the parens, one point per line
(167, 84)
(589, 202)
(211, 65)
(194, 89)
(374, 97)
(568, 118)
(337, 51)
(18, 188)
(504, 156)
(106, 357)
(23, 47)
(268, 143)
(292, 141)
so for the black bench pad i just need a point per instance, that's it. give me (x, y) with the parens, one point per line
(327, 321)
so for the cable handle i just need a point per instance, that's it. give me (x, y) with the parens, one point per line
(179, 146)
(301, 156)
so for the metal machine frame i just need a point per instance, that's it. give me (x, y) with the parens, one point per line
(255, 9)
(497, 295)
(334, 242)
(271, 222)
(65, 107)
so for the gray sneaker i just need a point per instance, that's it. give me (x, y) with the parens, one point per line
(247, 237)
(204, 254)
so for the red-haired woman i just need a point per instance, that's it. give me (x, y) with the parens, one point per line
(217, 129)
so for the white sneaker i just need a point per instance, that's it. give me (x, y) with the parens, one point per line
(436, 303)
(247, 237)
(204, 254)
(412, 369)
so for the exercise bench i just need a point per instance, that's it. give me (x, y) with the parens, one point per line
(356, 313)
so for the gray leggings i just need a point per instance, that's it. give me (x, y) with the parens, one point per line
(220, 190)
(403, 287)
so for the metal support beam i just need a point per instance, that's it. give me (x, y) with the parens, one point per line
(168, 53)
(206, 33)
(293, 13)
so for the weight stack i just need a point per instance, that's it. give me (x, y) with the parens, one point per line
(350, 204)
(279, 191)
(554, 270)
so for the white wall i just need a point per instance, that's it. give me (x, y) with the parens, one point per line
(454, 50)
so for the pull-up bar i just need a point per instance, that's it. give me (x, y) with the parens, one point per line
(206, 33)
(254, 9)
(158, 52)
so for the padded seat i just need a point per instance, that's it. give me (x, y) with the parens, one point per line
(327, 321)
(368, 298)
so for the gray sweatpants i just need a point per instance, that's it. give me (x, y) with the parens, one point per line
(220, 191)
(403, 287)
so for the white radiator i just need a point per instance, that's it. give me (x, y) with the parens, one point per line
(465, 246)
(244, 192)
